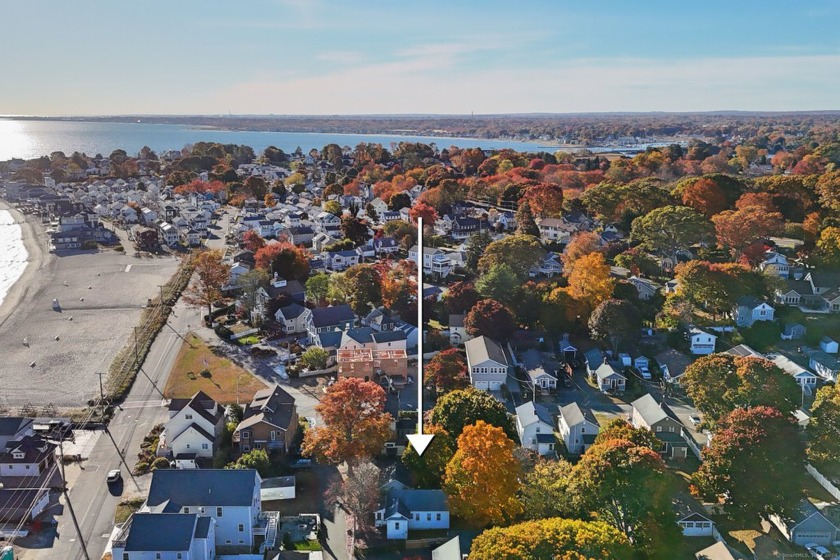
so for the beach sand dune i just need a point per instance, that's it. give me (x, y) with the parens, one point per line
(102, 319)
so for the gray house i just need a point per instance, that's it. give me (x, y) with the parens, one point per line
(609, 379)
(807, 525)
(661, 420)
(578, 428)
(488, 363)
(751, 309)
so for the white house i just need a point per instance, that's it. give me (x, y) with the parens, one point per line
(535, 428)
(169, 234)
(488, 363)
(555, 230)
(807, 525)
(435, 261)
(415, 510)
(775, 264)
(701, 342)
(458, 334)
(165, 536)
(751, 309)
(340, 260)
(193, 427)
(807, 380)
(229, 496)
(292, 317)
(578, 428)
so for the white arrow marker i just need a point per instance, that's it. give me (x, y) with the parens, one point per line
(420, 441)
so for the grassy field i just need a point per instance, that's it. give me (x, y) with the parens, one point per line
(125, 508)
(220, 384)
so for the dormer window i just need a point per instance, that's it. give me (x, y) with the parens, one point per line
(188, 416)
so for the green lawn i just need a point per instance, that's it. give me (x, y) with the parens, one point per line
(187, 378)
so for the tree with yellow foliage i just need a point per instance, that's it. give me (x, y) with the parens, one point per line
(482, 479)
(590, 282)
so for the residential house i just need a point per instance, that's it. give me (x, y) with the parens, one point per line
(488, 363)
(169, 536)
(435, 261)
(535, 428)
(593, 359)
(646, 288)
(23, 505)
(672, 365)
(541, 381)
(230, 497)
(701, 342)
(412, 510)
(817, 292)
(567, 350)
(193, 428)
(325, 221)
(389, 216)
(464, 227)
(292, 317)
(14, 428)
(28, 463)
(549, 266)
(328, 319)
(390, 340)
(807, 380)
(661, 420)
(808, 524)
(379, 206)
(380, 320)
(450, 550)
(191, 237)
(384, 246)
(775, 264)
(577, 427)
(301, 235)
(270, 422)
(609, 379)
(340, 260)
(692, 518)
(278, 287)
(457, 332)
(751, 309)
(555, 230)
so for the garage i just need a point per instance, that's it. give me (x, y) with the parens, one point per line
(807, 537)
(481, 385)
(495, 385)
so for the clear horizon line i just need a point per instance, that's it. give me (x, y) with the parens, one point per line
(420, 115)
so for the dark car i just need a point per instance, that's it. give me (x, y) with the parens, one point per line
(567, 382)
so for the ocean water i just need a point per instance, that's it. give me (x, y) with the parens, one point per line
(33, 139)
(13, 254)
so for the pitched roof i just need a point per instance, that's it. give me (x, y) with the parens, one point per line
(482, 349)
(202, 527)
(606, 370)
(292, 311)
(652, 411)
(573, 414)
(450, 550)
(172, 489)
(388, 336)
(419, 500)
(272, 405)
(718, 551)
(164, 532)
(11, 425)
(531, 412)
(456, 320)
(329, 316)
(743, 350)
(362, 335)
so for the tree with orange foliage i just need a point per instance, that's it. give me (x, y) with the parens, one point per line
(355, 425)
(211, 274)
(590, 281)
(761, 199)
(482, 478)
(200, 187)
(252, 240)
(582, 244)
(425, 211)
(546, 199)
(740, 228)
(284, 259)
(705, 196)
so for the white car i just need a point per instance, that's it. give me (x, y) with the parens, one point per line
(694, 419)
(819, 552)
(643, 371)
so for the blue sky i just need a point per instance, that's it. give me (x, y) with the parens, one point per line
(88, 57)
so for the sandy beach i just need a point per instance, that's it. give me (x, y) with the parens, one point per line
(104, 295)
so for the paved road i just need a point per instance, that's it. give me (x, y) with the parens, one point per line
(144, 407)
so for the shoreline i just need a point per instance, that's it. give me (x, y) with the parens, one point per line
(33, 235)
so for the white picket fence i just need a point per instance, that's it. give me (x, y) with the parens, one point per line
(823, 481)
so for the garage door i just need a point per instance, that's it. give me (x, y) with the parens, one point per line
(481, 385)
(806, 537)
(495, 385)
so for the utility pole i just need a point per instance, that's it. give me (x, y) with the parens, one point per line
(101, 392)
(67, 499)
(136, 348)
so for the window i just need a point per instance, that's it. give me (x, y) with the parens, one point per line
(125, 556)
(538, 429)
(670, 428)
(241, 528)
(437, 517)
(246, 435)
(157, 555)
(416, 517)
(205, 446)
(583, 429)
(218, 512)
(659, 428)
(186, 510)
(228, 541)
(188, 416)
(188, 446)
(179, 556)
(428, 517)
(396, 525)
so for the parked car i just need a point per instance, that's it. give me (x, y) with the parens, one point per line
(567, 382)
(819, 552)
(114, 476)
(645, 372)
(694, 419)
